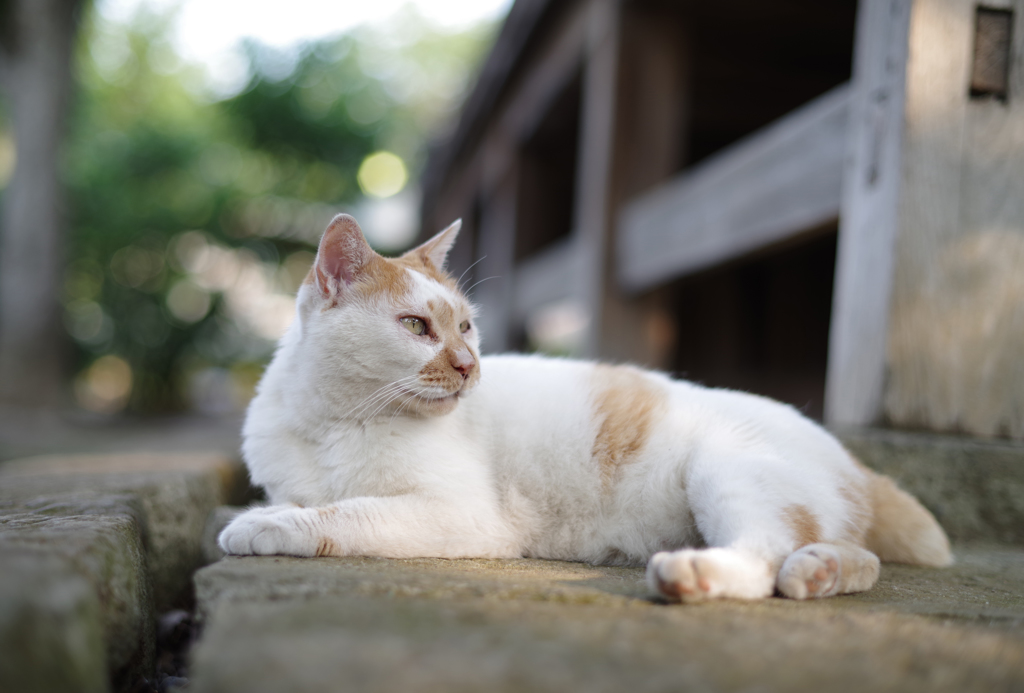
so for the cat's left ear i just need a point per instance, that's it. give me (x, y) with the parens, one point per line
(435, 251)
(343, 255)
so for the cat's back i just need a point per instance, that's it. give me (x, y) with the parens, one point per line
(566, 400)
(529, 395)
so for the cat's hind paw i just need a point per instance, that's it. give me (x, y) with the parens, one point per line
(269, 531)
(810, 572)
(693, 575)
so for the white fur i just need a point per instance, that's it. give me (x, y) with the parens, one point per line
(510, 471)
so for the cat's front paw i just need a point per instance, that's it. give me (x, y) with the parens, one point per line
(693, 575)
(269, 531)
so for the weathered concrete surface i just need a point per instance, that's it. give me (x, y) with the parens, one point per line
(170, 495)
(366, 624)
(32, 432)
(51, 626)
(217, 520)
(107, 551)
(99, 543)
(974, 487)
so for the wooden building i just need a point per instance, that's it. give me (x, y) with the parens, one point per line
(818, 201)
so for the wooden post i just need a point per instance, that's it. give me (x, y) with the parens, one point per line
(497, 244)
(633, 133)
(597, 141)
(928, 320)
(868, 225)
(36, 45)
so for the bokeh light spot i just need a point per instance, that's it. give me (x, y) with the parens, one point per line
(382, 174)
(8, 157)
(188, 302)
(105, 385)
(86, 321)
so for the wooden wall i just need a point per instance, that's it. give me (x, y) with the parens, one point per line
(628, 135)
(929, 327)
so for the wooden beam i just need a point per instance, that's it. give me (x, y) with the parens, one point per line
(868, 226)
(545, 77)
(525, 99)
(594, 170)
(782, 180)
(496, 239)
(549, 276)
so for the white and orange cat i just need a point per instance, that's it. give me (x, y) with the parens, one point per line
(378, 430)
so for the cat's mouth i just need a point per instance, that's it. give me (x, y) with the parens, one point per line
(438, 398)
(434, 404)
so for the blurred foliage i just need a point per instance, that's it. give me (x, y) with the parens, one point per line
(187, 209)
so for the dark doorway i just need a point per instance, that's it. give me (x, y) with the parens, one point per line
(761, 324)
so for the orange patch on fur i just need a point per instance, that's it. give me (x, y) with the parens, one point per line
(439, 370)
(856, 491)
(418, 262)
(371, 273)
(389, 276)
(383, 277)
(326, 547)
(444, 316)
(628, 406)
(902, 530)
(803, 524)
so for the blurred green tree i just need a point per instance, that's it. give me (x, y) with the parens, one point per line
(193, 218)
(36, 43)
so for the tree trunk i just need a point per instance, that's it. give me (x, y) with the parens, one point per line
(37, 39)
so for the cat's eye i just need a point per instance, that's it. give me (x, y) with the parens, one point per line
(414, 325)
(464, 327)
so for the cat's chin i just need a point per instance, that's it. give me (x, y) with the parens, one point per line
(438, 406)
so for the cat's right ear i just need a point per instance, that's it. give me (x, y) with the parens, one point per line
(342, 255)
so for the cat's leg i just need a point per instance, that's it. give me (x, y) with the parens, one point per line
(397, 527)
(738, 501)
(823, 570)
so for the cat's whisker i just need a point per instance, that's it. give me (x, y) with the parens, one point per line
(383, 406)
(398, 411)
(386, 403)
(382, 400)
(375, 397)
(496, 276)
(380, 392)
(459, 280)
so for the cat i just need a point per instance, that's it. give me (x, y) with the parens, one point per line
(379, 430)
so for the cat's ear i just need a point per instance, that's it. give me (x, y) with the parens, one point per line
(342, 255)
(435, 251)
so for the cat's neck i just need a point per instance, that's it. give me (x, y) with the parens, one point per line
(337, 401)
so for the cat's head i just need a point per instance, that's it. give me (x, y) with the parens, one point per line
(401, 324)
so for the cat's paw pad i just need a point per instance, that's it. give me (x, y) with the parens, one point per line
(268, 531)
(810, 572)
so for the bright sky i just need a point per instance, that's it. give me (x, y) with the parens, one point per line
(206, 29)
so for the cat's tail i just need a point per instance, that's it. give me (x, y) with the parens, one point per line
(902, 530)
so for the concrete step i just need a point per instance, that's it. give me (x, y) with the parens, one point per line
(92, 547)
(363, 624)
(974, 487)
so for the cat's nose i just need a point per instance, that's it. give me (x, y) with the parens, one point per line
(462, 360)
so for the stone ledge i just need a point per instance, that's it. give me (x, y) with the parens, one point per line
(974, 487)
(126, 529)
(107, 552)
(51, 627)
(170, 494)
(368, 624)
